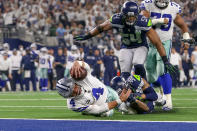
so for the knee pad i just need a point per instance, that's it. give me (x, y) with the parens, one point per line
(140, 70)
(125, 75)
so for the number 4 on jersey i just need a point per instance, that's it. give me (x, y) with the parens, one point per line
(97, 92)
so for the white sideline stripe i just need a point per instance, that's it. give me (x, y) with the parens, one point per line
(32, 99)
(141, 121)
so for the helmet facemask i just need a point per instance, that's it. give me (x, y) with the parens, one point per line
(162, 4)
(130, 18)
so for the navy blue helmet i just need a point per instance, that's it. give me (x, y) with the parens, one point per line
(130, 11)
(117, 83)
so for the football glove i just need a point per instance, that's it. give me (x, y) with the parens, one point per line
(190, 41)
(169, 67)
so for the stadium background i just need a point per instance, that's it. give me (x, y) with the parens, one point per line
(23, 22)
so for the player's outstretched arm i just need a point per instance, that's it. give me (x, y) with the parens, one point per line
(96, 109)
(184, 28)
(181, 24)
(97, 30)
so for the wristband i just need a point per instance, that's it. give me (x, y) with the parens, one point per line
(186, 36)
(157, 21)
(119, 101)
(165, 59)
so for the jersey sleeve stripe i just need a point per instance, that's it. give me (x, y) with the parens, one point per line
(143, 28)
(80, 109)
(117, 25)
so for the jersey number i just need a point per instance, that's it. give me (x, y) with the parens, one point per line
(158, 15)
(97, 92)
(127, 38)
(42, 61)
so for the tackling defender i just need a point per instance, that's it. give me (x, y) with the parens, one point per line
(164, 14)
(88, 94)
(133, 28)
(143, 96)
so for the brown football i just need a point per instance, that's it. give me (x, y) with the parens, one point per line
(83, 74)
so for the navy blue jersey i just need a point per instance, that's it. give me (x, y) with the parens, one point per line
(27, 62)
(132, 36)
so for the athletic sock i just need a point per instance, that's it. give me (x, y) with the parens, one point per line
(166, 82)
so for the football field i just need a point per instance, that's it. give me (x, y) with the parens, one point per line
(49, 105)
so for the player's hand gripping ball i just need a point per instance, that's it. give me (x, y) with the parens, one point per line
(78, 74)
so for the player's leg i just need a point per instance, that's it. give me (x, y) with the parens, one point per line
(33, 79)
(150, 65)
(126, 58)
(45, 71)
(164, 77)
(14, 79)
(139, 59)
(41, 78)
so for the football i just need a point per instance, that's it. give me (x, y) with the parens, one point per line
(83, 74)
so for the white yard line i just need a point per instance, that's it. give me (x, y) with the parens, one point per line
(89, 120)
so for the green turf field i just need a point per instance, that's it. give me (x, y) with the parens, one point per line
(49, 105)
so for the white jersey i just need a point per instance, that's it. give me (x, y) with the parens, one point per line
(16, 61)
(44, 60)
(165, 32)
(51, 60)
(175, 58)
(71, 57)
(5, 65)
(94, 93)
(194, 53)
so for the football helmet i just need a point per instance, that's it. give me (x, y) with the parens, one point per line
(117, 83)
(65, 87)
(162, 4)
(43, 50)
(130, 11)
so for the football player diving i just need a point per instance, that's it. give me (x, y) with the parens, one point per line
(87, 94)
(134, 28)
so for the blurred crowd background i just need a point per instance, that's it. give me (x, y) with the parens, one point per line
(26, 26)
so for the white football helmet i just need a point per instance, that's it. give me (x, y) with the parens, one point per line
(65, 87)
(162, 4)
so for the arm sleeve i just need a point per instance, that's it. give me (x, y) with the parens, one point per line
(95, 109)
(116, 21)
